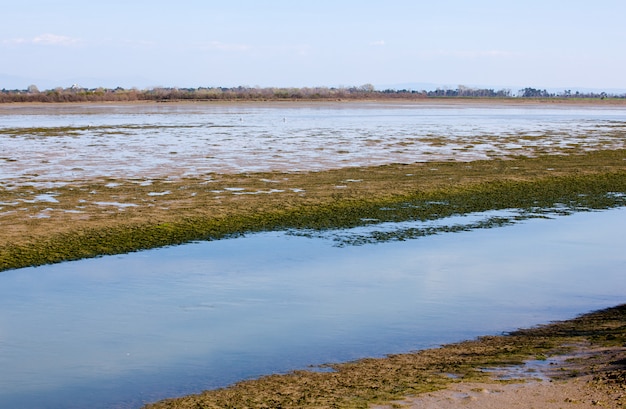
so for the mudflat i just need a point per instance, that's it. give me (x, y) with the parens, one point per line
(89, 217)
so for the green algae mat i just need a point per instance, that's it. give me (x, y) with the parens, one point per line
(89, 218)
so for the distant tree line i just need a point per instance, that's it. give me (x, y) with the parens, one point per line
(542, 93)
(242, 93)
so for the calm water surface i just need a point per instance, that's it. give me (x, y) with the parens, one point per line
(118, 331)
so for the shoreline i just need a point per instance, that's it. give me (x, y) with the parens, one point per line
(579, 362)
(436, 101)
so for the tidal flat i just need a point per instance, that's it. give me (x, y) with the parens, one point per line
(88, 191)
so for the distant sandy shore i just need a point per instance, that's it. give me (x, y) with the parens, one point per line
(314, 102)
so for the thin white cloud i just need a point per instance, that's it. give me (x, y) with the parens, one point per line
(46, 39)
(379, 43)
(218, 45)
(53, 39)
(474, 53)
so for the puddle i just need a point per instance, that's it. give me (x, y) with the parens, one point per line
(116, 204)
(44, 214)
(530, 370)
(258, 192)
(45, 198)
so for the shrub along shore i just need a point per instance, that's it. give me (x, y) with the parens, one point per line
(76, 224)
(77, 93)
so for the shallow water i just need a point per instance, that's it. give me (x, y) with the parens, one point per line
(117, 331)
(52, 144)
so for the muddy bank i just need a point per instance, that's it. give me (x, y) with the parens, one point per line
(585, 367)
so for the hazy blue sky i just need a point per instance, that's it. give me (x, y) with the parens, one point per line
(188, 43)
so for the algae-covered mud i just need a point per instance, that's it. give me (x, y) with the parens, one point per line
(90, 218)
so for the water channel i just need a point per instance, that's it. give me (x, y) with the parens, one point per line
(119, 331)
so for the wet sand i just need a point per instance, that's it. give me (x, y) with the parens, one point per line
(545, 395)
(588, 377)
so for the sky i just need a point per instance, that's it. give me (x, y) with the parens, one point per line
(554, 44)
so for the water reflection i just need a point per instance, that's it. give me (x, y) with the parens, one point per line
(121, 330)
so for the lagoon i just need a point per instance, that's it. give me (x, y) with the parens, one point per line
(120, 331)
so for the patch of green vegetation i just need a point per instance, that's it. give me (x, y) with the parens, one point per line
(306, 202)
(572, 193)
(45, 131)
(77, 130)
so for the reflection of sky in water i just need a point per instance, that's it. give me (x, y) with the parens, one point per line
(155, 140)
(178, 320)
(373, 231)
